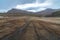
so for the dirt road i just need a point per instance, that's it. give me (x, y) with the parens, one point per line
(34, 30)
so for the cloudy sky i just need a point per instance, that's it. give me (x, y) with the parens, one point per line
(29, 5)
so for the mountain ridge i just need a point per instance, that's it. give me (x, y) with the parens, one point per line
(45, 12)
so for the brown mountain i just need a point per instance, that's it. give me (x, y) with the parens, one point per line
(48, 11)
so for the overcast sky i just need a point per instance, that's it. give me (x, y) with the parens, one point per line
(30, 5)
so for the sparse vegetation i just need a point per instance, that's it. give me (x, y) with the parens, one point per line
(54, 14)
(29, 28)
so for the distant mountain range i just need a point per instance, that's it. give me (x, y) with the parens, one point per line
(20, 12)
(48, 11)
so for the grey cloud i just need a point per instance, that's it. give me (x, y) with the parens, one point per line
(33, 8)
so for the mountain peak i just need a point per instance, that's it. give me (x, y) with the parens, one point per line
(18, 11)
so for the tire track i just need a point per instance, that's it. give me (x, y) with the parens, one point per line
(17, 33)
(33, 30)
(29, 34)
(39, 35)
(52, 28)
(48, 35)
(53, 34)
